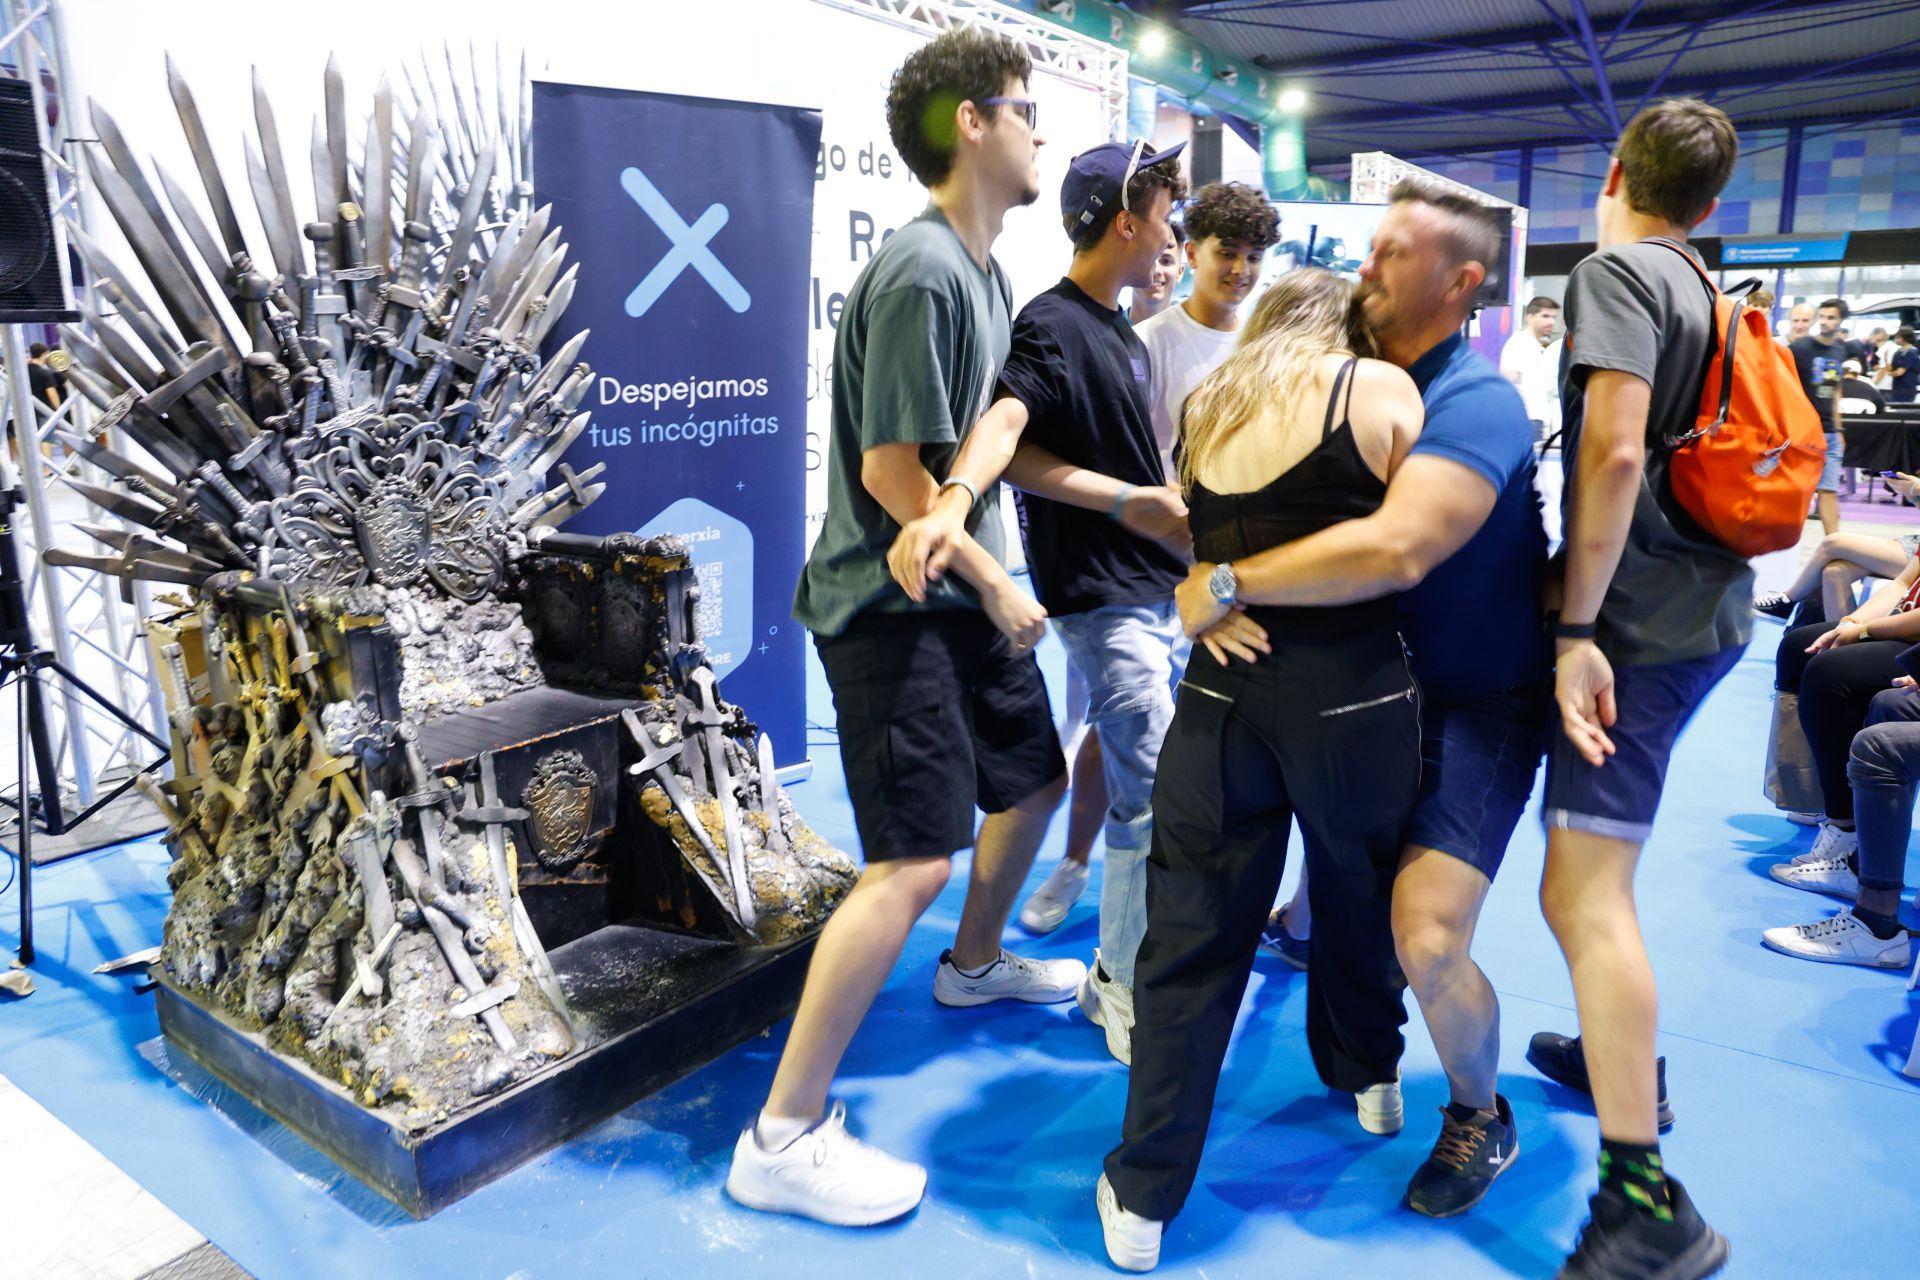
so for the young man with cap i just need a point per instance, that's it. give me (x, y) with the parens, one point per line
(939, 702)
(1654, 614)
(1106, 537)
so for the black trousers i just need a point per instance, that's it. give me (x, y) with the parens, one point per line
(1327, 733)
(1835, 688)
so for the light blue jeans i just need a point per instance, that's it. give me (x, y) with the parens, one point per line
(1127, 654)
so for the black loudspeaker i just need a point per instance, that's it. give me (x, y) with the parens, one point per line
(1493, 290)
(31, 288)
(1203, 159)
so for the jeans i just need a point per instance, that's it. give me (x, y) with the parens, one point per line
(1125, 654)
(1883, 766)
(1835, 687)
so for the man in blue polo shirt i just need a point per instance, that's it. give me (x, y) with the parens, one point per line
(1460, 533)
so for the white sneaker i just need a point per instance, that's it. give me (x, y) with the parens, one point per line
(1806, 819)
(1133, 1242)
(1011, 977)
(1840, 939)
(1108, 1004)
(827, 1174)
(1830, 876)
(1047, 909)
(1380, 1107)
(1832, 842)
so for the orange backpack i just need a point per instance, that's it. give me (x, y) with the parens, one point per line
(1748, 468)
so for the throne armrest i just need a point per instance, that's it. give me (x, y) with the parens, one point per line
(614, 614)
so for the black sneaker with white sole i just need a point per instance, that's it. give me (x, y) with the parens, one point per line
(1560, 1059)
(1465, 1161)
(1622, 1241)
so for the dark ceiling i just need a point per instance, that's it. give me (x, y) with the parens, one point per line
(1428, 77)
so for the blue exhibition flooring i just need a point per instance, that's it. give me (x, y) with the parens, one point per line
(1795, 1128)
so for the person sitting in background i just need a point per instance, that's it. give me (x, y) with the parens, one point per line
(1839, 561)
(1857, 395)
(1836, 669)
(1883, 765)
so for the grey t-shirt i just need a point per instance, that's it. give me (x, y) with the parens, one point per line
(922, 338)
(1678, 593)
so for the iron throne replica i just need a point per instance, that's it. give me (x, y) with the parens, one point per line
(469, 849)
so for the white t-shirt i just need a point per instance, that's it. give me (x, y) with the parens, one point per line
(1538, 370)
(1180, 353)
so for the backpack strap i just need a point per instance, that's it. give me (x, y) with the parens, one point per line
(1714, 294)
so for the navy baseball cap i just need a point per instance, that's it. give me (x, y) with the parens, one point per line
(1097, 178)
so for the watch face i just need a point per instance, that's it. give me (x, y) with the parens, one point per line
(1222, 582)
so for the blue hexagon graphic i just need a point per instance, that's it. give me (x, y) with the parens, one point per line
(721, 549)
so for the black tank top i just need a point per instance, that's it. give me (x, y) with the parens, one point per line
(1330, 484)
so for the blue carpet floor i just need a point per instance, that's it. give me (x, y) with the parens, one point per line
(1795, 1131)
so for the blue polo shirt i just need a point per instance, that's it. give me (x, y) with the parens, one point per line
(1474, 626)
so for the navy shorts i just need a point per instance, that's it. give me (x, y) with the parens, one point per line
(937, 714)
(1478, 757)
(1618, 799)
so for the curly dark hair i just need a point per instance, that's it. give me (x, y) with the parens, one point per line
(1233, 211)
(1147, 179)
(964, 64)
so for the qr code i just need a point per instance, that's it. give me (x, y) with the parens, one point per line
(710, 612)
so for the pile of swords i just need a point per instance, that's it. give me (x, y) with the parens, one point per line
(424, 285)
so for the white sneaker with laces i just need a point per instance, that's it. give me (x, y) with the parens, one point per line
(1381, 1109)
(1800, 818)
(826, 1174)
(1109, 1005)
(1133, 1242)
(1840, 939)
(1047, 909)
(1011, 977)
(1831, 876)
(1832, 842)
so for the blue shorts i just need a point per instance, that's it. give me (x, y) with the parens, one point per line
(1830, 470)
(1618, 799)
(1478, 756)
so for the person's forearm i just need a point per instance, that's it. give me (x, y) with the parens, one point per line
(1898, 626)
(990, 446)
(1349, 562)
(908, 497)
(1881, 603)
(1047, 475)
(976, 565)
(1606, 486)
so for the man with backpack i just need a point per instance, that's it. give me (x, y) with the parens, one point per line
(1654, 613)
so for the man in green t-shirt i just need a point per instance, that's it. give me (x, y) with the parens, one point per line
(939, 704)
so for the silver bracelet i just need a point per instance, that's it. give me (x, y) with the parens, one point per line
(955, 482)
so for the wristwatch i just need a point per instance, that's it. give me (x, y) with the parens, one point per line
(1224, 585)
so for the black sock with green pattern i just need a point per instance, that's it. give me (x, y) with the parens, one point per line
(1634, 1170)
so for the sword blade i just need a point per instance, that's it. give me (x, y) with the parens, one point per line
(216, 188)
(378, 178)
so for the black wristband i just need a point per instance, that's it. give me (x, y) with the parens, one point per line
(1575, 630)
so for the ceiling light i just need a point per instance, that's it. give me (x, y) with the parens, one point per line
(1293, 99)
(1153, 42)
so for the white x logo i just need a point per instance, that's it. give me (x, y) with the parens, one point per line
(689, 248)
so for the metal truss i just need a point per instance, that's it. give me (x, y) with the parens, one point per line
(77, 615)
(1072, 57)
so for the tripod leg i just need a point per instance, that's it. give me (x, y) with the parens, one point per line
(26, 827)
(46, 764)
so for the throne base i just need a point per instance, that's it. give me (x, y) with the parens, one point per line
(648, 1007)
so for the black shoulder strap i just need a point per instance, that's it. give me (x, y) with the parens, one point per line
(1341, 379)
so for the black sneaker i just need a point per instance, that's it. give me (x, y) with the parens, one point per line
(1560, 1059)
(1624, 1242)
(1464, 1163)
(1774, 604)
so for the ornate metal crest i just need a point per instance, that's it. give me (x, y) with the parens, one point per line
(392, 500)
(560, 799)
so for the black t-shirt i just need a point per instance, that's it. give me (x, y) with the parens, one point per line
(1855, 389)
(1906, 372)
(1082, 374)
(1819, 364)
(43, 380)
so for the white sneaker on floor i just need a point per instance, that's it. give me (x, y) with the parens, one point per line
(1047, 909)
(1832, 842)
(1011, 977)
(826, 1174)
(1831, 876)
(1381, 1109)
(1109, 1005)
(1133, 1242)
(1806, 819)
(1840, 939)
